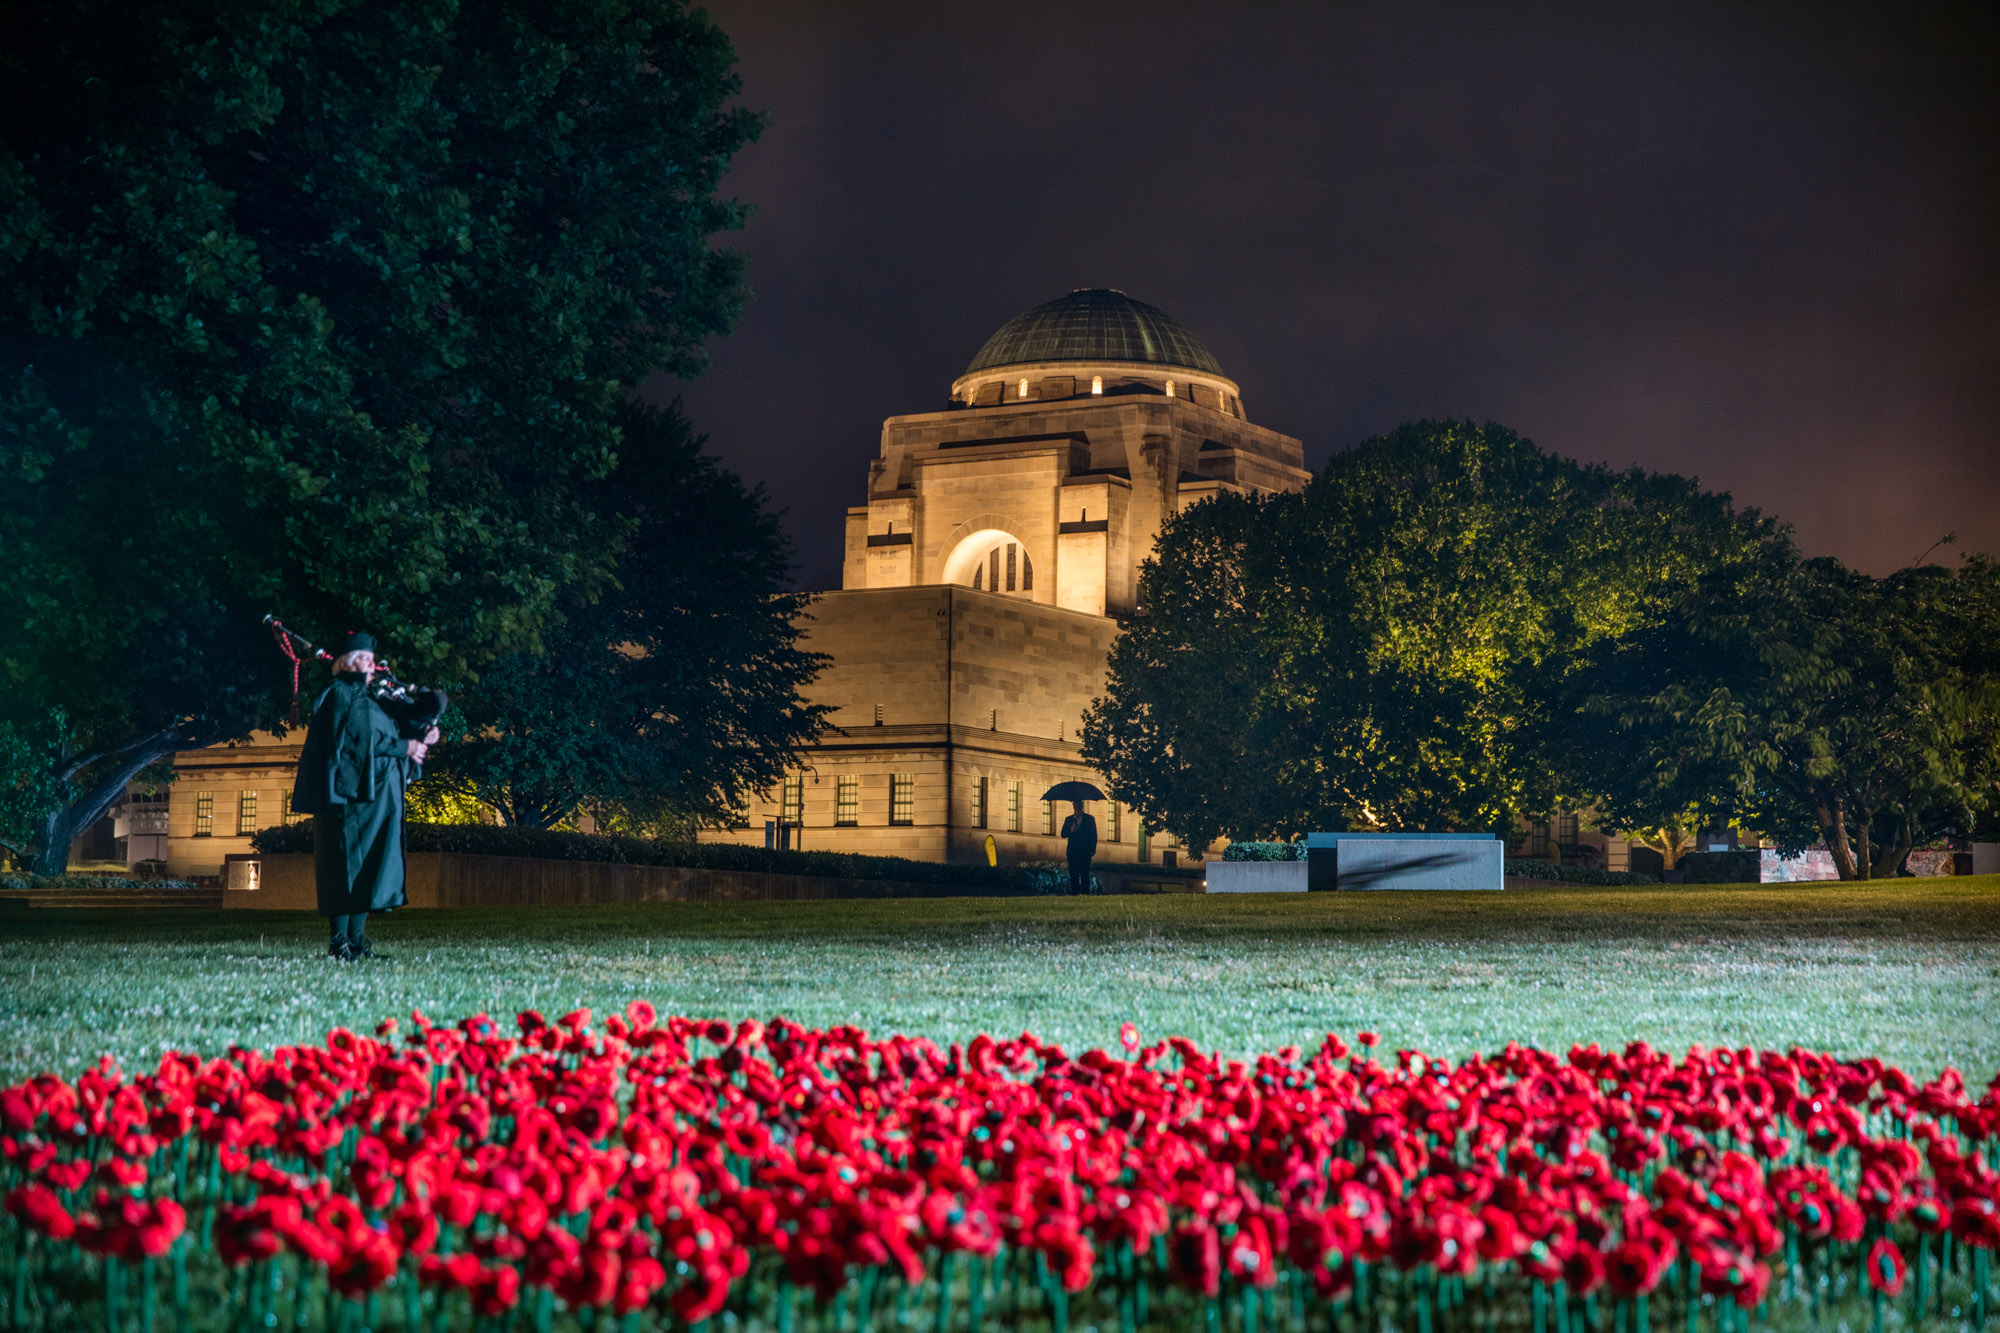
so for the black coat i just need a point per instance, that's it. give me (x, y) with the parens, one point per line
(351, 777)
(1081, 831)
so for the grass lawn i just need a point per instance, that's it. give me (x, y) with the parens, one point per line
(1908, 970)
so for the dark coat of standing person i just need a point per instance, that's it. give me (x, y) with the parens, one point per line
(1080, 832)
(352, 772)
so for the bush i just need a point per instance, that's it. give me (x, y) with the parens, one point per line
(1264, 851)
(554, 845)
(24, 882)
(1529, 868)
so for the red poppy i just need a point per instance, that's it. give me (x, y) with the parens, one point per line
(1885, 1267)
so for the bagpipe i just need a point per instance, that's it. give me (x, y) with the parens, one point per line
(415, 709)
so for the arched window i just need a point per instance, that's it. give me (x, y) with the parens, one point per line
(1004, 567)
(1024, 388)
(1170, 388)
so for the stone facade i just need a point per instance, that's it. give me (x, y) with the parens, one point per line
(999, 540)
(223, 794)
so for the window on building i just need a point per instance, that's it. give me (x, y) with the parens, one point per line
(1013, 807)
(846, 802)
(204, 815)
(981, 796)
(1024, 388)
(902, 798)
(1049, 818)
(1097, 384)
(1010, 566)
(1170, 388)
(1566, 828)
(792, 800)
(246, 813)
(1114, 817)
(1027, 572)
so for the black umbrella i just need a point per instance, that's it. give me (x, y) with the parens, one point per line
(1073, 791)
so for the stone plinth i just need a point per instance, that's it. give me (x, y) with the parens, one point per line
(1257, 877)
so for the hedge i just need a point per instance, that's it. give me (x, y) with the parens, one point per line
(19, 883)
(555, 845)
(1522, 867)
(1264, 851)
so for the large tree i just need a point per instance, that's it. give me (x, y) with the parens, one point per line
(327, 307)
(1378, 650)
(1823, 705)
(676, 689)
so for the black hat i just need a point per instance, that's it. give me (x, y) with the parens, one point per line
(357, 642)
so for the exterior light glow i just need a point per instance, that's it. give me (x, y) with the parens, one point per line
(1170, 388)
(1024, 388)
(1097, 384)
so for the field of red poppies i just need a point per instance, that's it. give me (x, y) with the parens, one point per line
(641, 1172)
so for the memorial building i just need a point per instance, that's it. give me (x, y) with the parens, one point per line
(997, 543)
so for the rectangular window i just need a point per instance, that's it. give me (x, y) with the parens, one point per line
(1049, 818)
(1117, 824)
(1566, 828)
(792, 801)
(204, 815)
(246, 813)
(846, 802)
(1010, 566)
(981, 796)
(902, 798)
(1013, 807)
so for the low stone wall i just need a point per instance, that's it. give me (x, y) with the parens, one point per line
(449, 879)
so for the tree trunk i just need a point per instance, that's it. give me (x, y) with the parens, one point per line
(1832, 821)
(1864, 855)
(49, 853)
(1890, 863)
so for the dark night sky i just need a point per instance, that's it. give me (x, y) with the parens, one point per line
(1758, 244)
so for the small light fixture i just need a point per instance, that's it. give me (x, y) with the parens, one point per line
(1024, 388)
(1170, 388)
(1097, 384)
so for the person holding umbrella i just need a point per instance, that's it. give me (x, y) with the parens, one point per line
(1079, 830)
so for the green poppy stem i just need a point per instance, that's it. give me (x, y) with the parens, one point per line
(942, 1320)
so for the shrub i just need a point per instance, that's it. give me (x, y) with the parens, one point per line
(1529, 868)
(1264, 851)
(24, 882)
(555, 845)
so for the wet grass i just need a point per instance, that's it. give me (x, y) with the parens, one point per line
(1908, 970)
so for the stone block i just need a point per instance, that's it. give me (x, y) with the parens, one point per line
(1456, 862)
(1256, 876)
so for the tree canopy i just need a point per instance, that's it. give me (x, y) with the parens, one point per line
(328, 307)
(676, 691)
(1378, 651)
(1817, 704)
